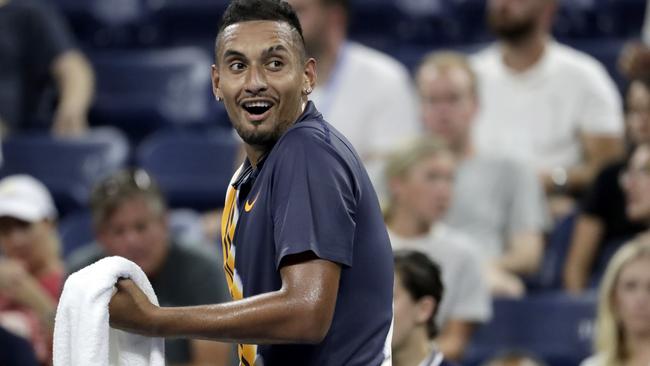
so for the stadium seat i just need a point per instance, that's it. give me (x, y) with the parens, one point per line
(142, 91)
(549, 275)
(192, 169)
(556, 327)
(75, 231)
(68, 167)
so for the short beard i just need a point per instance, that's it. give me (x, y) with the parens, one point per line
(514, 32)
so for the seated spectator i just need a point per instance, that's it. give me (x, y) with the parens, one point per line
(636, 185)
(365, 94)
(623, 320)
(497, 201)
(420, 179)
(31, 270)
(602, 225)
(418, 292)
(551, 106)
(514, 358)
(36, 47)
(130, 220)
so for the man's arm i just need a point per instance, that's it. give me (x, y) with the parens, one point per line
(598, 151)
(454, 337)
(76, 83)
(524, 253)
(300, 312)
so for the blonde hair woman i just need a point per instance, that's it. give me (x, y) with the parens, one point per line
(623, 323)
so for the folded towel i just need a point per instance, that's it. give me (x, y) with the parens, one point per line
(82, 336)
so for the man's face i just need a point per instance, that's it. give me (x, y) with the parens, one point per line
(262, 79)
(638, 113)
(427, 187)
(29, 243)
(313, 16)
(448, 103)
(513, 20)
(636, 184)
(136, 231)
(632, 297)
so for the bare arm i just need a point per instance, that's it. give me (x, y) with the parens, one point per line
(300, 312)
(76, 82)
(454, 337)
(524, 253)
(598, 151)
(584, 244)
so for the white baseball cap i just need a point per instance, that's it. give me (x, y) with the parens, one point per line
(25, 198)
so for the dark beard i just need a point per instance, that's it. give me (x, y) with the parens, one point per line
(513, 32)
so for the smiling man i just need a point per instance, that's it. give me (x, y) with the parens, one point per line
(306, 253)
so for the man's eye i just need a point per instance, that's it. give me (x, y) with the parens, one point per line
(237, 66)
(275, 64)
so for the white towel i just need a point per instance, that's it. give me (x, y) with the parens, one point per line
(82, 336)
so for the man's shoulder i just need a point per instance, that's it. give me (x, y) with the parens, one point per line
(574, 61)
(454, 243)
(83, 257)
(372, 62)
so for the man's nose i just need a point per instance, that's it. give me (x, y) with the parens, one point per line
(256, 81)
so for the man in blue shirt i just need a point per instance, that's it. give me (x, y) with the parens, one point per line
(306, 253)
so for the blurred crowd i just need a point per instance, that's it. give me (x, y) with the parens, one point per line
(512, 176)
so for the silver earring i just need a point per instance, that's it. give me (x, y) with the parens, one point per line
(308, 90)
(218, 98)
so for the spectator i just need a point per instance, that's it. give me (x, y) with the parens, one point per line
(365, 94)
(506, 212)
(634, 61)
(129, 217)
(623, 320)
(636, 185)
(419, 178)
(31, 271)
(35, 48)
(602, 224)
(551, 106)
(418, 292)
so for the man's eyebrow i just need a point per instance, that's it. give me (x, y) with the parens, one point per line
(274, 49)
(233, 53)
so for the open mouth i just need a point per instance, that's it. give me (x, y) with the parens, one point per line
(257, 108)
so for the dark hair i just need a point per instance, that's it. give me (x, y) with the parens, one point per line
(248, 10)
(421, 277)
(122, 186)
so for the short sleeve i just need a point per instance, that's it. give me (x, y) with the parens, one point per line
(528, 209)
(473, 301)
(312, 198)
(601, 109)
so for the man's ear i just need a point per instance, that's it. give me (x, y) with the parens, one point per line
(426, 307)
(215, 83)
(309, 76)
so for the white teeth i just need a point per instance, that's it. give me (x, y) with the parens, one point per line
(257, 104)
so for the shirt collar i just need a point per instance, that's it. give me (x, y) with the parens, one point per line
(248, 172)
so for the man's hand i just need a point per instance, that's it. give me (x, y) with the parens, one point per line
(130, 309)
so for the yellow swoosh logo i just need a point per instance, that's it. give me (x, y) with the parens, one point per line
(248, 206)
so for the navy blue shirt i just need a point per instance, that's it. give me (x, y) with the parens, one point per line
(312, 193)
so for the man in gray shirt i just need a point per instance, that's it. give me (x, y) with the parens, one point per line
(498, 202)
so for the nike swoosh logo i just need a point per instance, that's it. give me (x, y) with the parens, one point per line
(248, 206)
